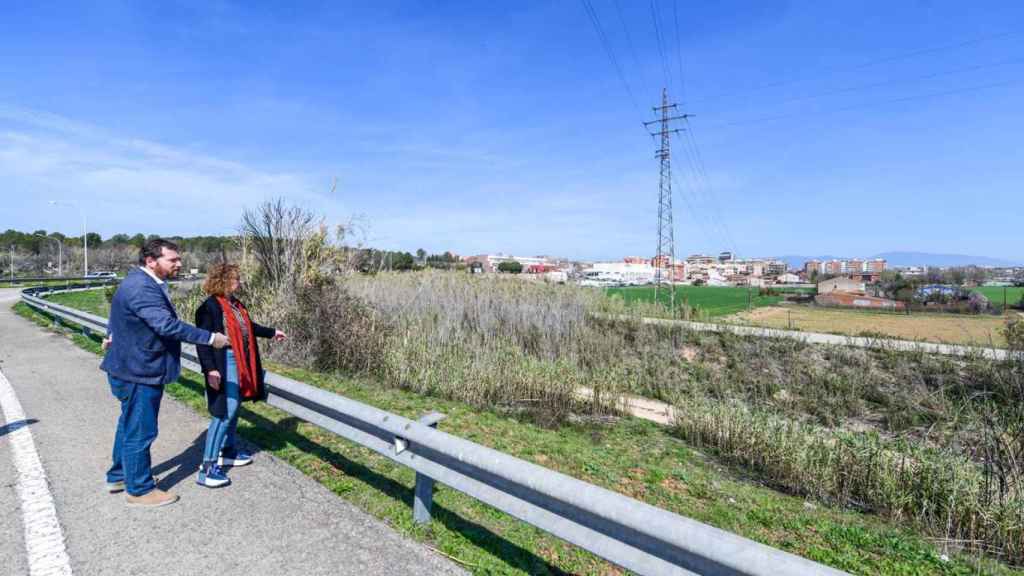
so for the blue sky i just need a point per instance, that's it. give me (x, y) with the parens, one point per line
(820, 127)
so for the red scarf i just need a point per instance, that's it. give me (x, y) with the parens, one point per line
(246, 362)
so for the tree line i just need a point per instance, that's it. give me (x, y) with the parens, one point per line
(40, 252)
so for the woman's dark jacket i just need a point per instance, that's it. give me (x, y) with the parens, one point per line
(210, 317)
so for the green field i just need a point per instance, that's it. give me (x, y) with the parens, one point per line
(995, 294)
(712, 300)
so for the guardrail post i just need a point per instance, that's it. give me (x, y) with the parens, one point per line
(423, 497)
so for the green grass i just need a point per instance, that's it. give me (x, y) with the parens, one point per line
(92, 301)
(995, 294)
(713, 300)
(631, 456)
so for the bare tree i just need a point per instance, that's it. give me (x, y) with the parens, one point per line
(277, 235)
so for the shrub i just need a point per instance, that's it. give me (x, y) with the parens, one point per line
(329, 329)
(1014, 333)
(939, 490)
(490, 341)
(511, 267)
(110, 290)
(978, 303)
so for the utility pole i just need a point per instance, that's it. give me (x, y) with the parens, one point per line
(666, 230)
(85, 234)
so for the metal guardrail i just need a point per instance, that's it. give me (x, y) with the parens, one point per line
(632, 534)
(23, 280)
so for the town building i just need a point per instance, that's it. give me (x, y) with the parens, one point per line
(628, 273)
(700, 260)
(840, 284)
(490, 262)
(840, 267)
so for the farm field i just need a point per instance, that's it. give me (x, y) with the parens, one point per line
(995, 294)
(715, 301)
(942, 328)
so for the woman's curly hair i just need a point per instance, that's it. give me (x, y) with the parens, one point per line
(218, 279)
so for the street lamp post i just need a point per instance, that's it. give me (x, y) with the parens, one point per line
(60, 250)
(85, 234)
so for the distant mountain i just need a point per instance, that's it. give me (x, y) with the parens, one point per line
(894, 259)
(903, 259)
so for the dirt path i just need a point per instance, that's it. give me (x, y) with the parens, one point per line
(653, 410)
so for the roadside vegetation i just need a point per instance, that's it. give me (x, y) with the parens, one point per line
(632, 456)
(933, 443)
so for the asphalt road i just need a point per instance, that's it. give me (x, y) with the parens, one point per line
(271, 520)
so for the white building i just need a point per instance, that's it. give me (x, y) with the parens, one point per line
(629, 273)
(490, 262)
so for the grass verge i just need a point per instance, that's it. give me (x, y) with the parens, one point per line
(631, 456)
(92, 301)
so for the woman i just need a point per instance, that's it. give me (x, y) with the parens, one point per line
(232, 374)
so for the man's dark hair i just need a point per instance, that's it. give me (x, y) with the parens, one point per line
(153, 248)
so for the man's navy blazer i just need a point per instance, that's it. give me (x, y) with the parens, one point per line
(147, 333)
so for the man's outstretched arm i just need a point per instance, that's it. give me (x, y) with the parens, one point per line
(153, 310)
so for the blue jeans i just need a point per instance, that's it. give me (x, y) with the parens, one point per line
(136, 431)
(221, 433)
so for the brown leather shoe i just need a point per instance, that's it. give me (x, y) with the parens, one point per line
(152, 499)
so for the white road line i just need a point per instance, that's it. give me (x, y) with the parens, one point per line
(44, 539)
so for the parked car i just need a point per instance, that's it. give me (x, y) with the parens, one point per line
(101, 275)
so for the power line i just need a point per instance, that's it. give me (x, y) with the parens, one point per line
(699, 172)
(868, 64)
(715, 206)
(892, 81)
(595, 20)
(699, 183)
(666, 230)
(871, 104)
(629, 43)
(679, 50)
(691, 210)
(701, 193)
(661, 51)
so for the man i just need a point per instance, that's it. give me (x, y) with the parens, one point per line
(144, 354)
